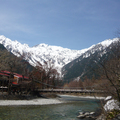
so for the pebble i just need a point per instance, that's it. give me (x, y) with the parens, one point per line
(85, 115)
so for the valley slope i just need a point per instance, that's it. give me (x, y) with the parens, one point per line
(86, 65)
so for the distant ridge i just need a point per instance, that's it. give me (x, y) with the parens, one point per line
(59, 56)
(85, 65)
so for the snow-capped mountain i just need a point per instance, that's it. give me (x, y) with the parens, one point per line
(57, 55)
(83, 65)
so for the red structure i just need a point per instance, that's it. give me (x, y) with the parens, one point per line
(14, 78)
(15, 83)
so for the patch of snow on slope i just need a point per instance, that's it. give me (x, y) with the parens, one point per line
(108, 42)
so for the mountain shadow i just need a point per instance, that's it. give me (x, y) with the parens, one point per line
(87, 65)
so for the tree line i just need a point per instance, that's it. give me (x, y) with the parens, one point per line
(41, 76)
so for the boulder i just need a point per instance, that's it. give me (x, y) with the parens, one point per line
(81, 116)
(86, 115)
(91, 113)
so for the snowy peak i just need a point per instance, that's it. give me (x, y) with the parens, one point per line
(106, 43)
(41, 45)
(57, 55)
(81, 66)
(100, 46)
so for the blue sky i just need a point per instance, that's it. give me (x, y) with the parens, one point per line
(73, 24)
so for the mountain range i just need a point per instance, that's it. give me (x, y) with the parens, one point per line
(43, 53)
(88, 64)
(62, 58)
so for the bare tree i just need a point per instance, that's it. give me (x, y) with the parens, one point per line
(12, 64)
(46, 75)
(111, 70)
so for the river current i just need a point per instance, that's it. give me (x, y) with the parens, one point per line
(68, 110)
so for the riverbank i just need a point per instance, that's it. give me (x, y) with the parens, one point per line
(5, 96)
(89, 97)
(44, 99)
(6, 100)
(38, 101)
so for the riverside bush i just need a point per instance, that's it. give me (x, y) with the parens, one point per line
(112, 114)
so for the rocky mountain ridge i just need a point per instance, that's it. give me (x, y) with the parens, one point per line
(59, 56)
(84, 64)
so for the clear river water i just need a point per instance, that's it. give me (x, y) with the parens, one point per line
(68, 110)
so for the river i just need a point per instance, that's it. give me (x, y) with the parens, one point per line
(68, 109)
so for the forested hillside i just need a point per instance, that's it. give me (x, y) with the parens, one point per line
(10, 62)
(88, 65)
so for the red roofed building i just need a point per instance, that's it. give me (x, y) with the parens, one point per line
(15, 83)
(16, 78)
